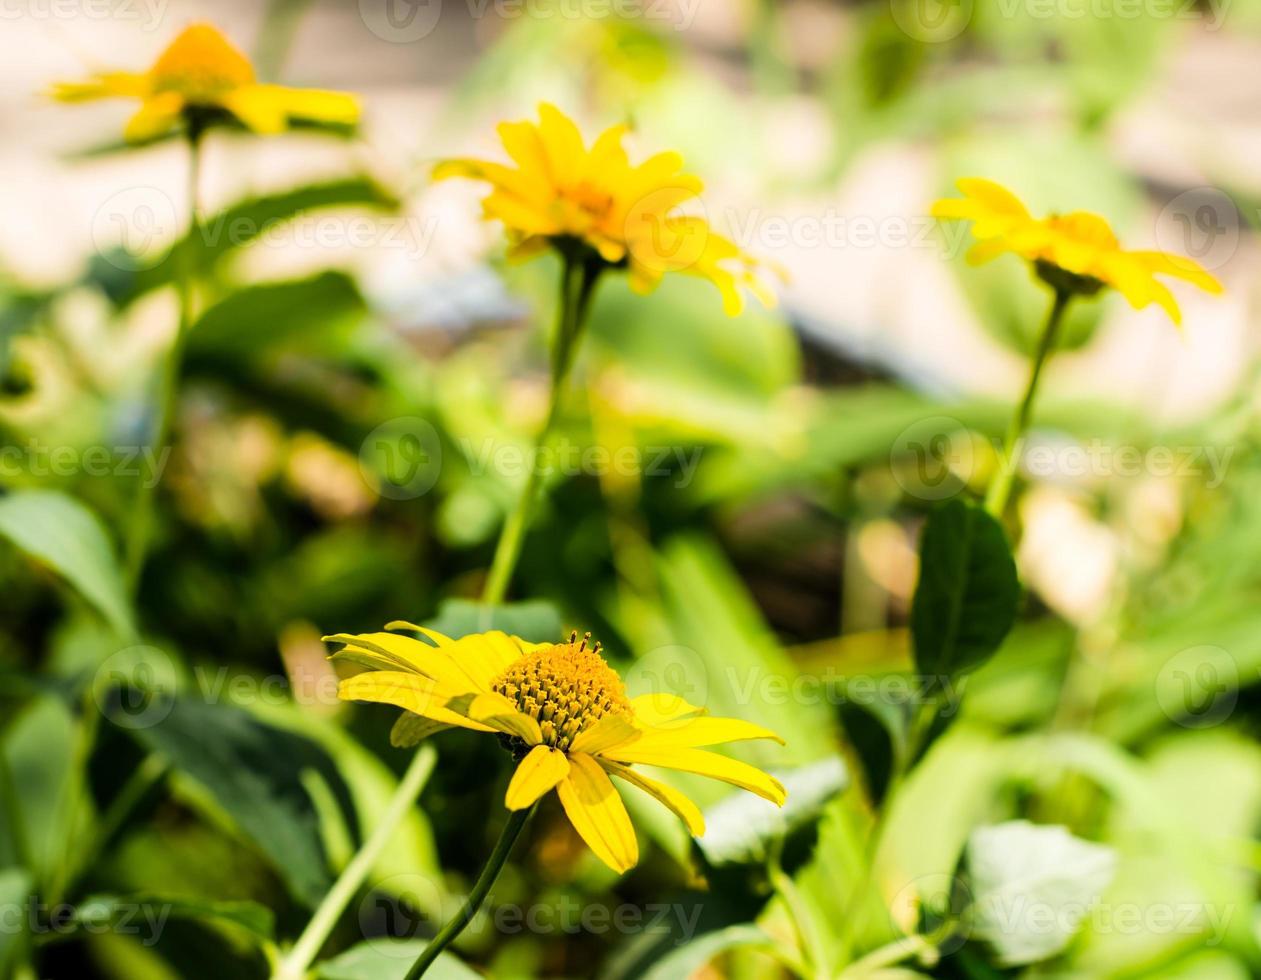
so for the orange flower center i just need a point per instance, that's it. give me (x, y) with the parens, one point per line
(566, 688)
(201, 65)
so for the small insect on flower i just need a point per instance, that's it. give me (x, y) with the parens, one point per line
(563, 195)
(563, 713)
(1076, 254)
(201, 78)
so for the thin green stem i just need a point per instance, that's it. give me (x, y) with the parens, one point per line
(890, 955)
(139, 528)
(577, 284)
(352, 877)
(904, 756)
(1000, 486)
(808, 939)
(446, 935)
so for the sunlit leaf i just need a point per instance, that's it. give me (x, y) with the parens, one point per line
(968, 592)
(62, 533)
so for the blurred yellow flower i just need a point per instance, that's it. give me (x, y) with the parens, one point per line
(564, 714)
(1076, 253)
(561, 193)
(200, 75)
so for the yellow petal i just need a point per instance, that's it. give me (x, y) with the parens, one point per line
(439, 639)
(993, 195)
(683, 807)
(105, 85)
(156, 116)
(408, 653)
(657, 709)
(311, 104)
(412, 692)
(258, 112)
(704, 763)
(611, 730)
(705, 731)
(525, 146)
(562, 143)
(497, 712)
(1165, 264)
(598, 814)
(537, 773)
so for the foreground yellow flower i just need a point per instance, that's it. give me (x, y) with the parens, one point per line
(1076, 253)
(565, 716)
(561, 193)
(201, 76)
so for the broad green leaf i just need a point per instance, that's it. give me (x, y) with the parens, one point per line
(272, 314)
(99, 911)
(536, 621)
(688, 959)
(741, 828)
(39, 748)
(246, 221)
(62, 533)
(16, 887)
(968, 592)
(390, 959)
(253, 773)
(1032, 887)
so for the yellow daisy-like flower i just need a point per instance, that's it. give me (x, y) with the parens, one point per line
(1075, 253)
(564, 714)
(561, 192)
(200, 75)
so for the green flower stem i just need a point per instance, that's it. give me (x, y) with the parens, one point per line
(446, 935)
(855, 909)
(577, 284)
(352, 877)
(1000, 486)
(808, 940)
(139, 529)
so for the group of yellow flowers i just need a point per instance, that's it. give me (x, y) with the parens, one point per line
(559, 708)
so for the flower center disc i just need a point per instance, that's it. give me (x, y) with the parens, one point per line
(566, 688)
(201, 65)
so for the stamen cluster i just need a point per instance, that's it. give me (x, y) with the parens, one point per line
(566, 688)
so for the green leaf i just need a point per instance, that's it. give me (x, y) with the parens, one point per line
(968, 592)
(254, 773)
(244, 222)
(265, 316)
(390, 959)
(536, 621)
(39, 759)
(16, 887)
(740, 828)
(1033, 886)
(62, 533)
(686, 960)
(99, 911)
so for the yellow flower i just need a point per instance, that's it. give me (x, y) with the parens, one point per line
(564, 714)
(560, 192)
(201, 75)
(1075, 253)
